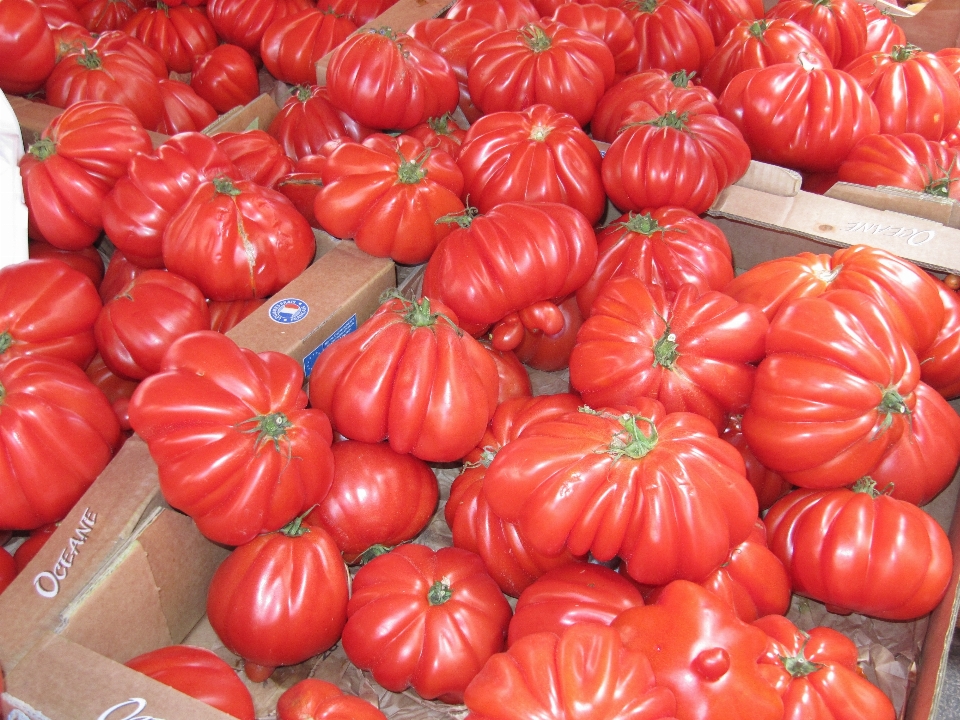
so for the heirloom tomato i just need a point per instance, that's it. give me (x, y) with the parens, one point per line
(180, 34)
(508, 559)
(227, 314)
(315, 699)
(389, 80)
(425, 619)
(280, 598)
(27, 52)
(119, 273)
(860, 550)
(47, 308)
(940, 363)
(769, 485)
(199, 673)
(235, 445)
(758, 44)
(389, 194)
(692, 351)
(673, 149)
(308, 120)
(257, 155)
(585, 670)
(514, 379)
(409, 374)
(119, 41)
(914, 91)
(724, 15)
(704, 653)
(673, 34)
(244, 23)
(225, 77)
(658, 489)
(302, 185)
(882, 32)
(498, 14)
(799, 115)
(238, 240)
(57, 432)
(359, 11)
(838, 396)
(379, 498)
(668, 246)
(610, 24)
(536, 155)
(88, 260)
(839, 25)
(156, 186)
(101, 16)
(907, 160)
(817, 673)
(544, 62)
(542, 350)
(135, 328)
(517, 255)
(440, 132)
(183, 109)
(118, 390)
(292, 45)
(569, 595)
(905, 291)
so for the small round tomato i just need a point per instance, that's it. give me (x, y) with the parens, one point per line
(226, 77)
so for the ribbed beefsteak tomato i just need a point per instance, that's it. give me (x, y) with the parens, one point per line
(235, 445)
(315, 699)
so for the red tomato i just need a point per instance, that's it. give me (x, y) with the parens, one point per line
(115, 76)
(57, 431)
(505, 554)
(238, 240)
(674, 150)
(570, 595)
(552, 250)
(243, 24)
(673, 34)
(608, 23)
(907, 160)
(425, 619)
(235, 445)
(47, 308)
(840, 25)
(379, 498)
(544, 62)
(668, 246)
(280, 598)
(816, 672)
(226, 77)
(550, 352)
(292, 45)
(119, 41)
(940, 363)
(157, 186)
(180, 33)
(724, 15)
(302, 185)
(119, 273)
(227, 314)
(759, 44)
(554, 676)
(906, 292)
(440, 132)
(831, 542)
(701, 651)
(183, 109)
(26, 550)
(839, 396)
(436, 387)
(914, 91)
(117, 389)
(256, 154)
(387, 80)
(66, 174)
(769, 485)
(389, 194)
(107, 15)
(514, 379)
(536, 155)
(499, 14)
(308, 120)
(89, 261)
(136, 327)
(694, 352)
(675, 499)
(199, 673)
(27, 52)
(8, 571)
(359, 11)
(883, 34)
(804, 117)
(313, 699)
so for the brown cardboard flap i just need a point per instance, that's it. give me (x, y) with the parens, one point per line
(255, 115)
(835, 222)
(935, 27)
(910, 202)
(771, 179)
(399, 17)
(98, 527)
(70, 682)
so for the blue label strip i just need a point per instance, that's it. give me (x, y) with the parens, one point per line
(349, 325)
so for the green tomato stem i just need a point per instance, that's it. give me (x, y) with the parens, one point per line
(439, 593)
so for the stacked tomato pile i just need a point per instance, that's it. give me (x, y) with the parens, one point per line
(725, 441)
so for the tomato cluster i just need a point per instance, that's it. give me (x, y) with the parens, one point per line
(722, 443)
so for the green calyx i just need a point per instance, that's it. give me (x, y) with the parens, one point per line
(642, 224)
(463, 219)
(296, 528)
(535, 38)
(867, 486)
(758, 28)
(225, 186)
(270, 428)
(682, 79)
(665, 349)
(440, 124)
(6, 341)
(90, 59)
(940, 186)
(42, 149)
(303, 93)
(902, 53)
(798, 666)
(410, 172)
(632, 442)
(374, 551)
(891, 404)
(3, 393)
(439, 593)
(671, 119)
